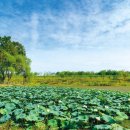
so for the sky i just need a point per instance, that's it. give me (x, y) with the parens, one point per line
(71, 35)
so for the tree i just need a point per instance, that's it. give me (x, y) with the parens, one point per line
(13, 59)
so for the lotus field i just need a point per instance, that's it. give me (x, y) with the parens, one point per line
(52, 108)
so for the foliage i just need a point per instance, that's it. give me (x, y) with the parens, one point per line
(13, 59)
(63, 108)
(103, 73)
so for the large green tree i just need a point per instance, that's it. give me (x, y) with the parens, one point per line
(13, 59)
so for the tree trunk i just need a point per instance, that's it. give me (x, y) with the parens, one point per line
(2, 78)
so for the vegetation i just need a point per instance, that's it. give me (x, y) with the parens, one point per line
(13, 59)
(119, 78)
(102, 73)
(63, 108)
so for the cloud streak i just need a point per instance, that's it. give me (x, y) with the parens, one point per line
(88, 26)
(34, 30)
(80, 30)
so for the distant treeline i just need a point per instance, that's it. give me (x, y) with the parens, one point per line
(100, 73)
(86, 73)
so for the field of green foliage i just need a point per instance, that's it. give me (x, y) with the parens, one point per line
(52, 108)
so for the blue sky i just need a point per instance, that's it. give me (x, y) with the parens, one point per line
(74, 35)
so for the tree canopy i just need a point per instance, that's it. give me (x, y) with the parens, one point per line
(13, 59)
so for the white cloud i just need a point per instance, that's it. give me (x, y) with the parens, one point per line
(34, 30)
(76, 29)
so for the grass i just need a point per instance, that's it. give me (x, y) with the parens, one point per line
(100, 83)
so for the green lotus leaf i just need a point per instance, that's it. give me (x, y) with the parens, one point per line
(102, 127)
(2, 104)
(122, 115)
(83, 118)
(10, 106)
(30, 106)
(21, 116)
(4, 118)
(18, 111)
(117, 127)
(3, 111)
(108, 119)
(32, 117)
(52, 123)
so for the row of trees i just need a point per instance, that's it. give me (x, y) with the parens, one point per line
(102, 73)
(13, 59)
